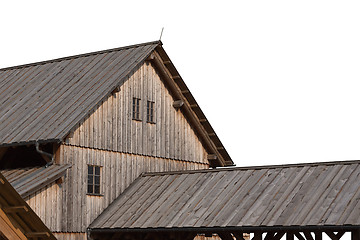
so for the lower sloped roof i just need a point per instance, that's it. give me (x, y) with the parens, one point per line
(29, 180)
(316, 194)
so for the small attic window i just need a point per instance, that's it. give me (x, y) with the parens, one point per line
(136, 108)
(93, 186)
(150, 112)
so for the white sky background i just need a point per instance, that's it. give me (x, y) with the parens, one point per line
(278, 80)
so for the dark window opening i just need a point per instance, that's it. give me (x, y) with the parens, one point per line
(150, 112)
(93, 186)
(136, 108)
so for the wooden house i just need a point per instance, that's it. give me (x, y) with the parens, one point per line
(75, 132)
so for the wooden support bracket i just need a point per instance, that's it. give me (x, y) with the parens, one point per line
(308, 235)
(178, 104)
(299, 236)
(334, 236)
(151, 57)
(116, 90)
(16, 209)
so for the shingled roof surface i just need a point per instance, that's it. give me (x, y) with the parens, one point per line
(319, 194)
(44, 101)
(29, 180)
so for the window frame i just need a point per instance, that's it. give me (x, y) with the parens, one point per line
(93, 176)
(136, 106)
(150, 112)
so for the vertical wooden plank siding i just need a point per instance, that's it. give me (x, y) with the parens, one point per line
(70, 236)
(111, 127)
(118, 171)
(123, 147)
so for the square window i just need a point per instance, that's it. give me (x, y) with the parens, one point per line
(150, 112)
(136, 109)
(93, 186)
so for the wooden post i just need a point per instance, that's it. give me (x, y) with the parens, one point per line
(257, 236)
(318, 235)
(289, 236)
(355, 234)
(308, 235)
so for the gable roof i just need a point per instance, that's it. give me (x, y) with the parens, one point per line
(247, 199)
(45, 101)
(29, 180)
(16, 214)
(42, 102)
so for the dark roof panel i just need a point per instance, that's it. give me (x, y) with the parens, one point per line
(291, 195)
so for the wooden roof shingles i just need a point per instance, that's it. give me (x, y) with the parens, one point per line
(29, 180)
(301, 196)
(43, 101)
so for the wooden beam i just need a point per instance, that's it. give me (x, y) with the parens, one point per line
(257, 236)
(37, 234)
(355, 235)
(318, 235)
(289, 236)
(225, 236)
(299, 236)
(16, 209)
(177, 93)
(278, 236)
(212, 157)
(334, 236)
(269, 236)
(308, 235)
(239, 235)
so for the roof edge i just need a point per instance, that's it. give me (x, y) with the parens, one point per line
(158, 42)
(244, 229)
(345, 162)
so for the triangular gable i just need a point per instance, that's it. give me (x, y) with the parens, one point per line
(44, 102)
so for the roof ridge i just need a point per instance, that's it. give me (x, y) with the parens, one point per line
(80, 55)
(345, 162)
